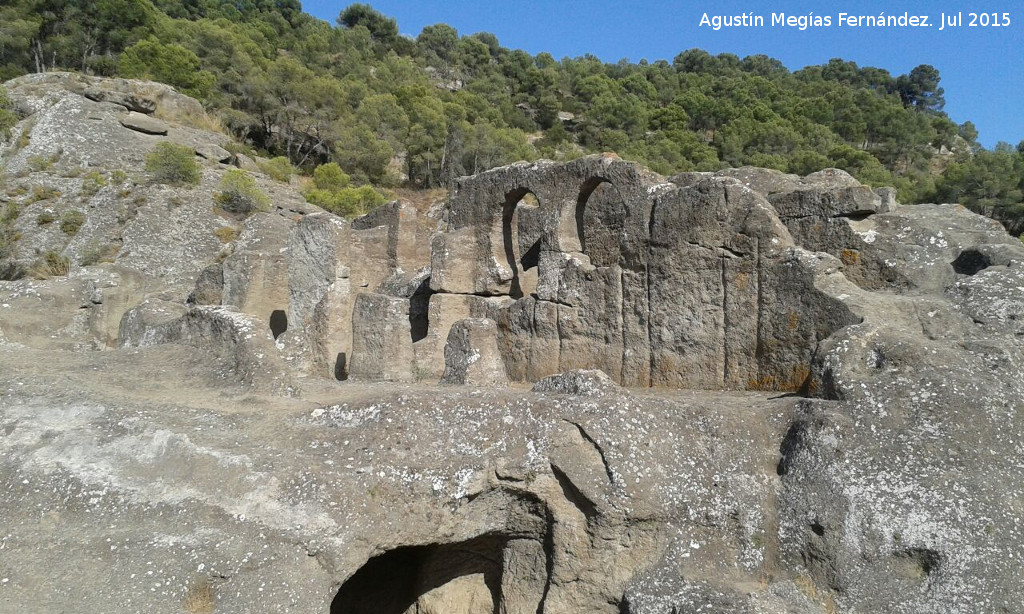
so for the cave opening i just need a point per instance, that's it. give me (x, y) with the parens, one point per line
(278, 323)
(341, 367)
(459, 578)
(419, 311)
(971, 262)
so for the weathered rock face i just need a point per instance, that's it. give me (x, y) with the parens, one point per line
(332, 262)
(655, 284)
(208, 460)
(71, 156)
(398, 496)
(471, 354)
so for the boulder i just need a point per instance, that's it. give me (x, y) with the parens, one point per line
(144, 123)
(212, 152)
(209, 288)
(245, 163)
(129, 100)
(242, 341)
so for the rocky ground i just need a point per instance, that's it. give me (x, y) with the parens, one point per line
(189, 420)
(138, 480)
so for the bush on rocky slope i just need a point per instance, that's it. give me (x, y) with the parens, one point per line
(7, 116)
(240, 194)
(331, 190)
(173, 164)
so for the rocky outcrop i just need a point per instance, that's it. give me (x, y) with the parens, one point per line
(585, 382)
(242, 341)
(80, 206)
(613, 268)
(751, 391)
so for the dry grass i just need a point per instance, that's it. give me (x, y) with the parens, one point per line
(97, 253)
(50, 265)
(41, 192)
(209, 123)
(810, 590)
(201, 121)
(807, 587)
(849, 257)
(226, 234)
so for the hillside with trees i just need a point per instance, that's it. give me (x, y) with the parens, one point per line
(397, 111)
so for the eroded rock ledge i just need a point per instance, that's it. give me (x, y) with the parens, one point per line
(863, 457)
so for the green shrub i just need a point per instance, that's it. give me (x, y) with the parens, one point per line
(40, 163)
(8, 236)
(173, 165)
(46, 217)
(42, 192)
(71, 221)
(7, 116)
(23, 140)
(173, 64)
(350, 202)
(330, 177)
(93, 182)
(331, 191)
(10, 214)
(278, 169)
(240, 194)
(119, 176)
(7, 240)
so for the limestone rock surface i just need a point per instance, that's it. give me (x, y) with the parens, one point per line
(741, 391)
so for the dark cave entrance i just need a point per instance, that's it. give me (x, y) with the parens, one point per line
(419, 310)
(278, 323)
(341, 367)
(419, 316)
(971, 262)
(465, 576)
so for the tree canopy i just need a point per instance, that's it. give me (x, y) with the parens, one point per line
(391, 110)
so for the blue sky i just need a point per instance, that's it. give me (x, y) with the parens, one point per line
(982, 68)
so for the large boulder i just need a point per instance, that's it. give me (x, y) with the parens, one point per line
(144, 123)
